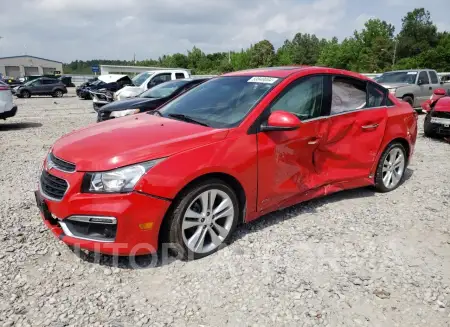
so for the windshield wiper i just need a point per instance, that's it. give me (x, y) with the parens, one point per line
(187, 119)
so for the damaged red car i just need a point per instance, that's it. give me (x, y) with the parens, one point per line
(437, 120)
(228, 151)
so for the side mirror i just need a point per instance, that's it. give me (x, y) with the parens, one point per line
(281, 121)
(440, 92)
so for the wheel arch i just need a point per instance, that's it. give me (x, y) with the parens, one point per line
(228, 179)
(399, 139)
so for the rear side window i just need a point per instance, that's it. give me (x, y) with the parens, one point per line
(376, 97)
(179, 75)
(303, 98)
(347, 95)
(49, 81)
(433, 77)
(423, 77)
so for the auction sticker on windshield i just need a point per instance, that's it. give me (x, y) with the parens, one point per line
(260, 79)
(411, 73)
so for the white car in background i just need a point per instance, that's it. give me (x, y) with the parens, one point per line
(7, 107)
(146, 80)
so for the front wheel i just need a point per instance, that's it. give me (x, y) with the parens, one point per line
(409, 99)
(203, 219)
(25, 94)
(391, 168)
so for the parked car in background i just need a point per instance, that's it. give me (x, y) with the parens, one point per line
(89, 82)
(111, 82)
(228, 151)
(412, 86)
(437, 120)
(11, 81)
(146, 80)
(7, 107)
(445, 78)
(41, 86)
(149, 100)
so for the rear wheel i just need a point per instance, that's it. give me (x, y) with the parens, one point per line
(391, 168)
(25, 94)
(58, 94)
(203, 219)
(409, 99)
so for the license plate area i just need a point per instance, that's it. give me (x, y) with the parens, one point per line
(440, 121)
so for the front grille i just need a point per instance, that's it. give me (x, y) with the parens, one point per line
(61, 164)
(52, 186)
(440, 114)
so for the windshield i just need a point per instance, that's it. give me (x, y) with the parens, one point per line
(163, 90)
(398, 77)
(222, 102)
(138, 80)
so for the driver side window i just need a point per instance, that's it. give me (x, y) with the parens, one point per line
(423, 78)
(158, 79)
(302, 98)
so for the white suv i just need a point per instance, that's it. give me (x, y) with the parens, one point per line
(7, 107)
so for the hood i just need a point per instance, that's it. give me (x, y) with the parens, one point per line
(128, 104)
(394, 85)
(129, 140)
(129, 92)
(442, 105)
(110, 78)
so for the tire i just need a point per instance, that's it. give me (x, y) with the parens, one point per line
(181, 232)
(428, 129)
(25, 94)
(382, 181)
(58, 94)
(409, 99)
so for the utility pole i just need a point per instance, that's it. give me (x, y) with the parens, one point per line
(229, 56)
(395, 53)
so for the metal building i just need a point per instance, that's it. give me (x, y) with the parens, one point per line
(20, 66)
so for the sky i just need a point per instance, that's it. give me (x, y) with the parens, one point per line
(66, 30)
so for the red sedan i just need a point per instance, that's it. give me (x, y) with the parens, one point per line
(437, 121)
(229, 151)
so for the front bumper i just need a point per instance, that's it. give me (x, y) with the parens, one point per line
(8, 114)
(138, 218)
(441, 126)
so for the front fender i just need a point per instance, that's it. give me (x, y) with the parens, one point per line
(236, 157)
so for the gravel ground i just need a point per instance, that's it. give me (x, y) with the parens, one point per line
(356, 258)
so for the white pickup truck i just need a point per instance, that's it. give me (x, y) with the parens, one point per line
(147, 80)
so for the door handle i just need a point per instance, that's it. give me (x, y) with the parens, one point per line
(313, 141)
(372, 126)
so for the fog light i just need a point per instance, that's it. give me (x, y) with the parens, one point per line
(146, 226)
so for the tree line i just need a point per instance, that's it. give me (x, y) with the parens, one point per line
(375, 48)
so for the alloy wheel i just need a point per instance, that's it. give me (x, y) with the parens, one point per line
(207, 221)
(393, 168)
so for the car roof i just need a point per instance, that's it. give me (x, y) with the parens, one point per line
(283, 72)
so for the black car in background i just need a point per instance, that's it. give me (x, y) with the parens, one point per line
(149, 100)
(110, 83)
(41, 86)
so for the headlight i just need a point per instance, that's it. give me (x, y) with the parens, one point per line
(392, 91)
(120, 180)
(123, 113)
